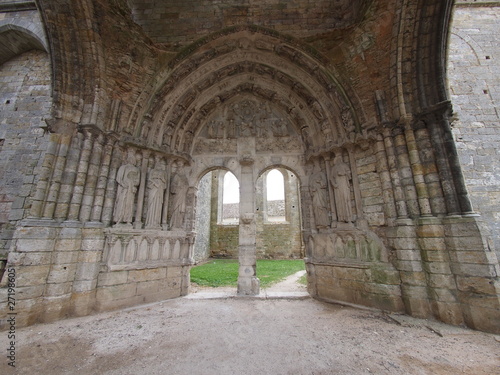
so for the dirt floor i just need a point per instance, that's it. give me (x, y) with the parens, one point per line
(250, 336)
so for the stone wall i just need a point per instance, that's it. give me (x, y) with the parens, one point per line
(474, 82)
(25, 99)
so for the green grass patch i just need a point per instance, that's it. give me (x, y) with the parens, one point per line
(224, 272)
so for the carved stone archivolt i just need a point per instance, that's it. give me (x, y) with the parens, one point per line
(248, 117)
(240, 60)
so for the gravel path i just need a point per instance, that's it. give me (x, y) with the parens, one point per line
(250, 336)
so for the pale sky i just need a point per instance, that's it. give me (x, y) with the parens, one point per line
(275, 187)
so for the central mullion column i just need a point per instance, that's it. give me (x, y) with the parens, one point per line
(248, 283)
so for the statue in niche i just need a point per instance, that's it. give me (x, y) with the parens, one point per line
(216, 129)
(327, 133)
(245, 113)
(347, 120)
(279, 128)
(128, 178)
(157, 183)
(318, 188)
(261, 128)
(246, 129)
(212, 129)
(188, 141)
(167, 134)
(339, 180)
(231, 129)
(178, 191)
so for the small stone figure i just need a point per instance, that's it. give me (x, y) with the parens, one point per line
(178, 191)
(158, 183)
(128, 178)
(339, 180)
(279, 128)
(317, 187)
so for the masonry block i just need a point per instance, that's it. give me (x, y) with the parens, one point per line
(147, 274)
(112, 278)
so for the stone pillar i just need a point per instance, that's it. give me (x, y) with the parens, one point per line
(91, 181)
(454, 162)
(399, 196)
(405, 172)
(430, 169)
(450, 195)
(81, 177)
(109, 200)
(142, 189)
(385, 180)
(68, 178)
(441, 282)
(417, 171)
(102, 181)
(44, 179)
(355, 184)
(55, 181)
(248, 283)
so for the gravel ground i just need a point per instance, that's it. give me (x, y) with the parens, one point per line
(250, 336)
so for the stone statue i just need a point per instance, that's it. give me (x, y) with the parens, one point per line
(318, 188)
(339, 180)
(128, 178)
(178, 191)
(158, 183)
(279, 128)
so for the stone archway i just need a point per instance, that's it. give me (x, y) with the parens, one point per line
(246, 135)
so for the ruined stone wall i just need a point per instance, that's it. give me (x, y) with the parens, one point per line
(474, 83)
(25, 99)
(274, 240)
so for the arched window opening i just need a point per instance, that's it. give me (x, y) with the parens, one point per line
(230, 200)
(275, 196)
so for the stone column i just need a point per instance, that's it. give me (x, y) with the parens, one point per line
(81, 176)
(417, 171)
(142, 189)
(355, 184)
(399, 196)
(405, 172)
(55, 182)
(102, 181)
(109, 200)
(454, 162)
(91, 181)
(248, 283)
(450, 195)
(430, 169)
(385, 179)
(44, 179)
(69, 177)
